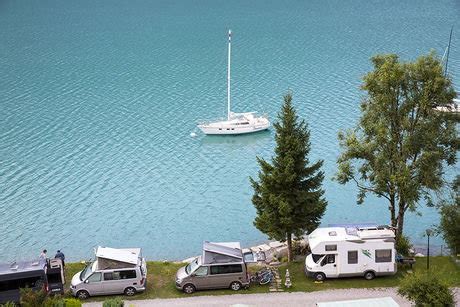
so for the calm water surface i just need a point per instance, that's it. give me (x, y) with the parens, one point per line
(98, 100)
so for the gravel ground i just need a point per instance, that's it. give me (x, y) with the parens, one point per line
(274, 299)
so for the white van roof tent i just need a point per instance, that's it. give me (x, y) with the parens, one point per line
(126, 255)
(221, 252)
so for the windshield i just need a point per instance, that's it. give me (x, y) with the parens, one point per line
(316, 257)
(87, 271)
(192, 266)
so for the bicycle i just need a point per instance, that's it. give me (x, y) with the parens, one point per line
(263, 276)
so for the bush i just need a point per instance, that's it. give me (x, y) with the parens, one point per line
(32, 298)
(72, 302)
(113, 302)
(403, 245)
(284, 259)
(8, 304)
(426, 290)
(54, 301)
(299, 248)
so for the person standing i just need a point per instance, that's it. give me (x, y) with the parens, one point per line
(60, 255)
(43, 254)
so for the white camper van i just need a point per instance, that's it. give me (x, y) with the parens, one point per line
(351, 251)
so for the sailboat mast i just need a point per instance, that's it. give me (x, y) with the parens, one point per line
(448, 49)
(228, 73)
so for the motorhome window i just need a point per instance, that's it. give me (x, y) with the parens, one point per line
(226, 269)
(54, 278)
(95, 277)
(383, 255)
(352, 257)
(201, 271)
(330, 248)
(316, 257)
(127, 274)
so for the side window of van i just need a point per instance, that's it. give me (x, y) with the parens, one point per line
(108, 276)
(128, 274)
(226, 269)
(95, 277)
(201, 271)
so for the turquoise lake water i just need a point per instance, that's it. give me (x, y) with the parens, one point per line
(98, 100)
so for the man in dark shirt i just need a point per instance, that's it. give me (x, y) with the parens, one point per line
(60, 255)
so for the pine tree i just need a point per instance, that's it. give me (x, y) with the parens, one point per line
(288, 196)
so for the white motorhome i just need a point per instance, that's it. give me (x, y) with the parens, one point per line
(351, 251)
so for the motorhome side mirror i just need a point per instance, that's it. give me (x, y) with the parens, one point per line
(86, 281)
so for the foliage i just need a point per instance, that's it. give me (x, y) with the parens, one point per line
(426, 290)
(113, 302)
(401, 144)
(32, 298)
(8, 304)
(72, 302)
(450, 219)
(288, 196)
(54, 301)
(299, 248)
(403, 245)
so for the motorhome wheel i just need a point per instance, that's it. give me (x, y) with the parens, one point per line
(235, 286)
(82, 294)
(320, 276)
(369, 275)
(189, 288)
(130, 291)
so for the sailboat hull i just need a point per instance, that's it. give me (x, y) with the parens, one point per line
(242, 125)
(209, 130)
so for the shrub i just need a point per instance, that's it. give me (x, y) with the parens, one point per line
(8, 304)
(403, 245)
(54, 301)
(113, 302)
(72, 302)
(426, 290)
(32, 298)
(284, 259)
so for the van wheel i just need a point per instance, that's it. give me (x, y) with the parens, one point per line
(319, 276)
(369, 275)
(82, 294)
(130, 291)
(235, 286)
(189, 288)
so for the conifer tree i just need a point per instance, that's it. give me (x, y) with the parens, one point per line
(288, 196)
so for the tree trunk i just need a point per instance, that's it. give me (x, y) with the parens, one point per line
(392, 208)
(289, 245)
(399, 230)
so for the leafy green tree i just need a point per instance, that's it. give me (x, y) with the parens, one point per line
(401, 144)
(450, 219)
(426, 290)
(288, 196)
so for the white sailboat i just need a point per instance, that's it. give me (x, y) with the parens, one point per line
(236, 123)
(454, 107)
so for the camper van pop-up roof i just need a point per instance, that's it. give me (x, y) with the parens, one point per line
(114, 258)
(222, 252)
